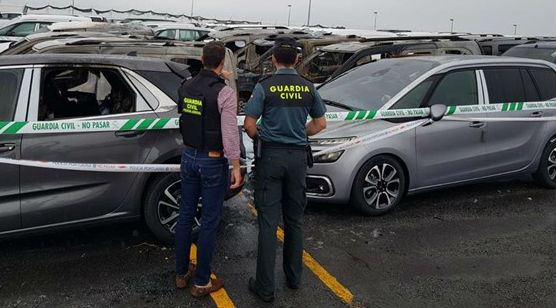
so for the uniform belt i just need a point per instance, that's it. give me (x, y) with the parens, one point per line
(277, 145)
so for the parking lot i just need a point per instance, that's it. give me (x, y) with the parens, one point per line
(93, 129)
(475, 246)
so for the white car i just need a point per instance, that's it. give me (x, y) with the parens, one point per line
(27, 24)
(6, 17)
(180, 32)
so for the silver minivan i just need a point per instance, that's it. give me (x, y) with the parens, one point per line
(78, 87)
(375, 177)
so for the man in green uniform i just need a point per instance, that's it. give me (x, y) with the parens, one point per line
(283, 102)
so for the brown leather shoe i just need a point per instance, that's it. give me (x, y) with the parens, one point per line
(215, 285)
(181, 282)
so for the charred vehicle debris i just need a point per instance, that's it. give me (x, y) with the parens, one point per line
(324, 54)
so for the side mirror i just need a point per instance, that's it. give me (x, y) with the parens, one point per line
(437, 112)
(240, 44)
(12, 33)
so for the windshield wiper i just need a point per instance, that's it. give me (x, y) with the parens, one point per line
(336, 104)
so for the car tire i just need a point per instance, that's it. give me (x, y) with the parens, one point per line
(546, 174)
(379, 186)
(161, 207)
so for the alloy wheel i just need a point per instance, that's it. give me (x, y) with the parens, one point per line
(382, 186)
(169, 205)
(552, 165)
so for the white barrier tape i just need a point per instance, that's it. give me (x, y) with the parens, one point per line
(86, 126)
(113, 168)
(163, 168)
(116, 168)
(374, 137)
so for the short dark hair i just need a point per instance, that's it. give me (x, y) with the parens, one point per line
(285, 51)
(285, 55)
(213, 54)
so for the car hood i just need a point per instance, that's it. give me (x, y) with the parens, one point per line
(351, 128)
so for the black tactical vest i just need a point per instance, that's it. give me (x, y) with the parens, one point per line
(288, 91)
(200, 119)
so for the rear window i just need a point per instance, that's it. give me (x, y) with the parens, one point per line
(487, 50)
(167, 82)
(504, 47)
(10, 83)
(498, 80)
(533, 53)
(546, 82)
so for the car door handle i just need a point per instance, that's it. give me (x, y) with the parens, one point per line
(477, 124)
(537, 114)
(129, 134)
(7, 147)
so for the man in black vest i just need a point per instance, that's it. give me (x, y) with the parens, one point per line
(208, 125)
(283, 102)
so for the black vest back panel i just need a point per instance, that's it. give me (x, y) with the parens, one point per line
(200, 119)
(288, 91)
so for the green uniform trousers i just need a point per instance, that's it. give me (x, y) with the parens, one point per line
(280, 187)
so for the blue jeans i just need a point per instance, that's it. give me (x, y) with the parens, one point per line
(207, 178)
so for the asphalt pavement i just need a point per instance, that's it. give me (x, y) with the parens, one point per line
(484, 245)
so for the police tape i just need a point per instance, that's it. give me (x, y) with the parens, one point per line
(116, 168)
(374, 137)
(113, 168)
(170, 168)
(114, 125)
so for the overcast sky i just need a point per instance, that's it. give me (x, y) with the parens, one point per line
(534, 17)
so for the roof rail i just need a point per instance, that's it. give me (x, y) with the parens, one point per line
(414, 38)
(85, 42)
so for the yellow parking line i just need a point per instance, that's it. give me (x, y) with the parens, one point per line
(330, 281)
(220, 297)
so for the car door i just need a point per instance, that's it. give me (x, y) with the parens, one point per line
(14, 86)
(65, 92)
(452, 151)
(512, 146)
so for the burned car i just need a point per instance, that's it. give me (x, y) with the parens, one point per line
(496, 46)
(26, 44)
(534, 50)
(333, 60)
(181, 52)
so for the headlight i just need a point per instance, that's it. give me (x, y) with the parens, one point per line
(330, 157)
(330, 141)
